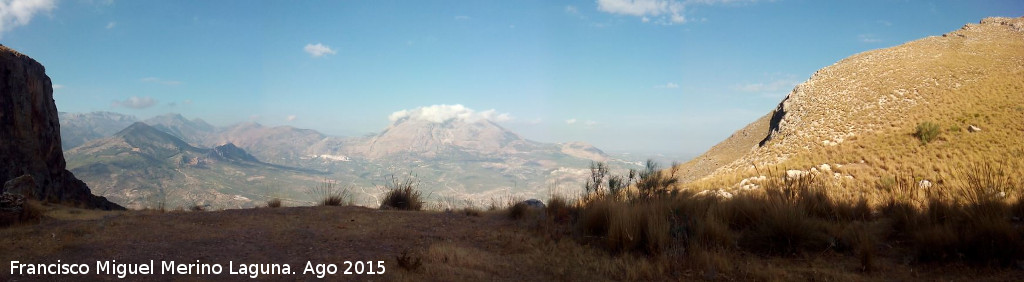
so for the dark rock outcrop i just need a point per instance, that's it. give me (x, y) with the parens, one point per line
(30, 134)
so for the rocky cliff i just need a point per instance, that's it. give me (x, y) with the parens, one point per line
(30, 142)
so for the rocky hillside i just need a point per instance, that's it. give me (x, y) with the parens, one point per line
(31, 142)
(862, 112)
(144, 167)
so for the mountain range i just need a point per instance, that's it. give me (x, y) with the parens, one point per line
(170, 159)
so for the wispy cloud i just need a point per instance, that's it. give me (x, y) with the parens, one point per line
(586, 123)
(15, 13)
(291, 118)
(572, 10)
(868, 38)
(462, 18)
(659, 11)
(669, 85)
(445, 113)
(319, 50)
(135, 102)
(669, 10)
(58, 86)
(884, 22)
(160, 81)
(773, 88)
(111, 25)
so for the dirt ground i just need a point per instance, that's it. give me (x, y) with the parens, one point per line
(451, 246)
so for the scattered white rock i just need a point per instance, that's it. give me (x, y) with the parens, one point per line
(849, 177)
(973, 128)
(751, 187)
(718, 193)
(796, 173)
(924, 184)
(825, 167)
(837, 175)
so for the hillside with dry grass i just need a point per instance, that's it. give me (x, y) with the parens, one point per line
(860, 115)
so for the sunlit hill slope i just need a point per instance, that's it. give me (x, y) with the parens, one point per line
(860, 115)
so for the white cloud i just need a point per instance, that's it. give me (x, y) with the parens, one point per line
(884, 22)
(58, 86)
(187, 102)
(665, 9)
(590, 123)
(669, 85)
(572, 9)
(291, 118)
(778, 85)
(319, 50)
(868, 38)
(462, 18)
(111, 25)
(660, 11)
(135, 102)
(160, 81)
(445, 113)
(570, 121)
(15, 13)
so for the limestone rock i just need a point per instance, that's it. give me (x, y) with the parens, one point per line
(31, 142)
(21, 185)
(534, 203)
(973, 128)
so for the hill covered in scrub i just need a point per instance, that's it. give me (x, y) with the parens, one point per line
(857, 121)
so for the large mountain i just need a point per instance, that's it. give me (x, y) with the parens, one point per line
(408, 136)
(859, 116)
(30, 146)
(195, 131)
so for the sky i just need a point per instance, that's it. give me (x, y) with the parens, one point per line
(644, 76)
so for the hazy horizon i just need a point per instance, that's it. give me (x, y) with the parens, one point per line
(627, 76)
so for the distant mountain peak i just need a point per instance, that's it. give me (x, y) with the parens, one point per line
(430, 136)
(231, 152)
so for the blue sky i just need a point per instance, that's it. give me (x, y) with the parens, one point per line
(669, 76)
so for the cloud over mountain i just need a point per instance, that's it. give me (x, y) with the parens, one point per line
(445, 113)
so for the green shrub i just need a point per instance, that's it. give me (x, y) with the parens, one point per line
(927, 131)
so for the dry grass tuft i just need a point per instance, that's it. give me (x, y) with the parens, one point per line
(327, 193)
(274, 203)
(409, 261)
(402, 195)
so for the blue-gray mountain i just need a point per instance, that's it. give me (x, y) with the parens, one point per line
(165, 160)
